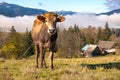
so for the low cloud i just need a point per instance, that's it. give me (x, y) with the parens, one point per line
(112, 19)
(20, 23)
(83, 20)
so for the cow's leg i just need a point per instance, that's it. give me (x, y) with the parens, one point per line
(44, 59)
(51, 59)
(42, 55)
(37, 54)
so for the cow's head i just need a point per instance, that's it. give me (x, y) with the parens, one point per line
(50, 19)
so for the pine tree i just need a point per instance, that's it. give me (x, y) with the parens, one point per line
(27, 44)
(12, 31)
(99, 34)
(107, 32)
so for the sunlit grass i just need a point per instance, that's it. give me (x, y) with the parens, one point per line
(97, 68)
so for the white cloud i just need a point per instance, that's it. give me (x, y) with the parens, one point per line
(20, 23)
(83, 20)
(113, 19)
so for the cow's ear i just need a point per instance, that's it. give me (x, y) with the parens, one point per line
(60, 19)
(41, 18)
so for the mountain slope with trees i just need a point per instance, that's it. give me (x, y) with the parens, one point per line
(12, 10)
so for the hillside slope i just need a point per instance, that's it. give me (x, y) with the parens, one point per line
(97, 68)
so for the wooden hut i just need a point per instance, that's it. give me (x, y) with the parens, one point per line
(107, 47)
(91, 50)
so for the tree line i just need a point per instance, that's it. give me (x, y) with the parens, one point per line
(69, 42)
(14, 44)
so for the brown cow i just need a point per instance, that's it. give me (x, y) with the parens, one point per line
(44, 34)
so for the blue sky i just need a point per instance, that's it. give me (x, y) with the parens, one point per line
(83, 20)
(92, 6)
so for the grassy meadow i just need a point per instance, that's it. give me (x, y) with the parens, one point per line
(97, 68)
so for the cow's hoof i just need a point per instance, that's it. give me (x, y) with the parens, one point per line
(45, 67)
(41, 67)
(52, 68)
(36, 66)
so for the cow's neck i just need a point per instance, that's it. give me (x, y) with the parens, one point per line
(44, 36)
(51, 41)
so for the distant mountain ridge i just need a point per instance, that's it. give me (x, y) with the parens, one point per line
(110, 12)
(12, 10)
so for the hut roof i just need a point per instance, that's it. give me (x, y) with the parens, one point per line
(106, 44)
(85, 47)
(89, 48)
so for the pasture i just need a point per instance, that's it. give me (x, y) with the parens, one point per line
(97, 68)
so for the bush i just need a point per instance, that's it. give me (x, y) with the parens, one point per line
(9, 51)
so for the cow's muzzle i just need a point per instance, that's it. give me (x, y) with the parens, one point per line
(52, 31)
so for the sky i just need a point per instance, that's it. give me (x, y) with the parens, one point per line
(92, 6)
(83, 20)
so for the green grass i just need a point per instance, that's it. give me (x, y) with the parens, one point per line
(97, 68)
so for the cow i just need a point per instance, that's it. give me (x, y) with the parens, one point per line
(44, 35)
